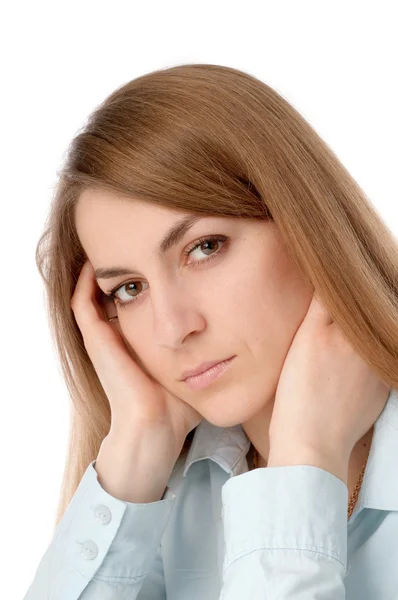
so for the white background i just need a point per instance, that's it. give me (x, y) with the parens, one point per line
(335, 61)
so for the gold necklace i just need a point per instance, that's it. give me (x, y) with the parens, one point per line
(355, 491)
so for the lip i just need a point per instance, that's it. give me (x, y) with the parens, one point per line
(202, 380)
(205, 366)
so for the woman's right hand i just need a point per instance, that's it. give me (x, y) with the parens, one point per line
(138, 403)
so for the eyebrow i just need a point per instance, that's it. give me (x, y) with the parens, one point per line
(172, 237)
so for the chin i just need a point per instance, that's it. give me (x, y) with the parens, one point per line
(230, 412)
(223, 421)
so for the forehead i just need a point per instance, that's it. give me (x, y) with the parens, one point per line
(111, 225)
(102, 209)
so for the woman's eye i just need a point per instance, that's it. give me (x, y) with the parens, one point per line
(131, 287)
(200, 246)
(209, 247)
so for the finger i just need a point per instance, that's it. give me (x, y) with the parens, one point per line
(115, 323)
(110, 313)
(84, 303)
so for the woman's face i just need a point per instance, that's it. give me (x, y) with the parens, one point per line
(237, 294)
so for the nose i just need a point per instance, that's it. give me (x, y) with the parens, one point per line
(175, 317)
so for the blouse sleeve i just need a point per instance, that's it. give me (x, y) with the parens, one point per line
(104, 547)
(285, 531)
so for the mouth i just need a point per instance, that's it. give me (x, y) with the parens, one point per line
(202, 368)
(206, 373)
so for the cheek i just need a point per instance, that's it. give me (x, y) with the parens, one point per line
(268, 306)
(251, 299)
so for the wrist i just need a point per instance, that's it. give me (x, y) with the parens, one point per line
(135, 471)
(334, 462)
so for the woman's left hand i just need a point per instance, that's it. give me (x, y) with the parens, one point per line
(327, 397)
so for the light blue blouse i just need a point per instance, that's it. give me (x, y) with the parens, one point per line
(222, 532)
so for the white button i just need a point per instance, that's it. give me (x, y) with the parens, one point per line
(89, 550)
(102, 514)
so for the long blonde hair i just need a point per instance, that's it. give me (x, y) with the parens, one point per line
(213, 139)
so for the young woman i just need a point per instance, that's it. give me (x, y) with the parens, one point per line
(223, 297)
